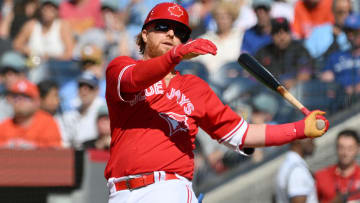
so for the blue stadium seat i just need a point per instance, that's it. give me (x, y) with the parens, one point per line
(63, 71)
(315, 94)
(227, 74)
(194, 68)
(239, 88)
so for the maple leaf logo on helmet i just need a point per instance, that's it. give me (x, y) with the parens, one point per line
(176, 11)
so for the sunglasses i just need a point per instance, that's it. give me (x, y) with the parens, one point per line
(179, 31)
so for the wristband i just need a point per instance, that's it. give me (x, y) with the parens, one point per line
(276, 135)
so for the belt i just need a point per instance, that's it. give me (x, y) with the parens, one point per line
(142, 181)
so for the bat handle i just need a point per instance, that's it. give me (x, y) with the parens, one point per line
(320, 124)
(305, 111)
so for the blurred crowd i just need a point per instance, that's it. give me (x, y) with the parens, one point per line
(53, 55)
(336, 183)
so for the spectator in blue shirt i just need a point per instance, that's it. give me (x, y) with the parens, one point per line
(259, 35)
(327, 38)
(344, 66)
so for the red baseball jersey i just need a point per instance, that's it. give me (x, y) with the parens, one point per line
(155, 129)
(329, 181)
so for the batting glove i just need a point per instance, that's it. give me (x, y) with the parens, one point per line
(308, 124)
(192, 49)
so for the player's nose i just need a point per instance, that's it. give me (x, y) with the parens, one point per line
(170, 33)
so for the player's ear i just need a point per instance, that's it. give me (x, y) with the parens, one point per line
(144, 35)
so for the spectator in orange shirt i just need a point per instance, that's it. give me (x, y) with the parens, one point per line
(310, 13)
(30, 127)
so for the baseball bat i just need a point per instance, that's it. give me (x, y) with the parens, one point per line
(257, 70)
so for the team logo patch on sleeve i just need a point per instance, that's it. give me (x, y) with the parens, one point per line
(176, 122)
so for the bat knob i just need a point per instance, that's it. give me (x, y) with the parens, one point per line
(248, 151)
(320, 124)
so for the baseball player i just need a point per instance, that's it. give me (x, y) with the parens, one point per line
(155, 113)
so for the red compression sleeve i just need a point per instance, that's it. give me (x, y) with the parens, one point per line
(276, 135)
(146, 73)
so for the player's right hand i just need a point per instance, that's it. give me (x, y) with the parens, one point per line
(192, 49)
(310, 128)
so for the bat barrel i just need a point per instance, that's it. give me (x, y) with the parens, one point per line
(258, 71)
(264, 76)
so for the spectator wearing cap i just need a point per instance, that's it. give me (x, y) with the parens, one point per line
(91, 60)
(327, 38)
(343, 66)
(12, 68)
(103, 139)
(45, 37)
(259, 35)
(79, 125)
(285, 57)
(112, 38)
(227, 38)
(311, 13)
(81, 15)
(29, 127)
(264, 109)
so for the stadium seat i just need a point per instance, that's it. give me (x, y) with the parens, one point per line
(315, 94)
(227, 74)
(194, 68)
(63, 71)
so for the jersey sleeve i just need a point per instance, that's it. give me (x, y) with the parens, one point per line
(220, 121)
(130, 76)
(114, 74)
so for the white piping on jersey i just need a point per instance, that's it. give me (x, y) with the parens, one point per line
(119, 80)
(234, 138)
(237, 127)
(189, 191)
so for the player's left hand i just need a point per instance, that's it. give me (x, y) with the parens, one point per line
(310, 129)
(192, 49)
